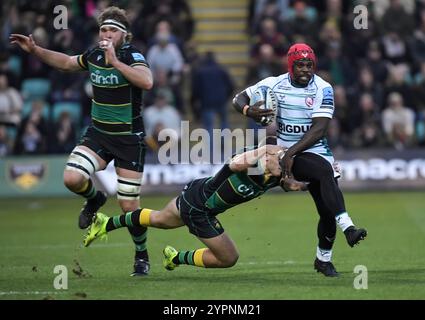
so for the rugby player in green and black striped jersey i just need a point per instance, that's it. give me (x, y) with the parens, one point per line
(201, 200)
(118, 73)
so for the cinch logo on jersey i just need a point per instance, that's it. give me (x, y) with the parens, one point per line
(246, 190)
(293, 128)
(110, 79)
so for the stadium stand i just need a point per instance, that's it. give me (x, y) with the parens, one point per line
(382, 59)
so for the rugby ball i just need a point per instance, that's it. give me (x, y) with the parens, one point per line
(266, 94)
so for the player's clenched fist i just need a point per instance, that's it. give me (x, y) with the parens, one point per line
(256, 113)
(110, 57)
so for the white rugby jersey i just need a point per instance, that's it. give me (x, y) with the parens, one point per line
(297, 107)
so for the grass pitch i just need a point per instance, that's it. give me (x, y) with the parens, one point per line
(276, 237)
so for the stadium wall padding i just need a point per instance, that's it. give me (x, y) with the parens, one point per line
(361, 171)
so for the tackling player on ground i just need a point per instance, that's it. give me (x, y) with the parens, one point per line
(305, 108)
(119, 73)
(201, 201)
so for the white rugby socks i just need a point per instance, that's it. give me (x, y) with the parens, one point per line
(344, 221)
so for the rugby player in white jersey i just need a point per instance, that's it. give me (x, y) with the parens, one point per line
(305, 108)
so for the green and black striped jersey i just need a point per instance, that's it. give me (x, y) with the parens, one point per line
(116, 104)
(238, 188)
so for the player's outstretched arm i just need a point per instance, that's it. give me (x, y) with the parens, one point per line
(238, 163)
(54, 59)
(243, 161)
(271, 159)
(271, 163)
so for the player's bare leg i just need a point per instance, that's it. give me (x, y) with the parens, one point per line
(81, 164)
(221, 253)
(128, 194)
(167, 218)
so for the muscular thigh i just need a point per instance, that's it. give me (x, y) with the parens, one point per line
(199, 222)
(93, 140)
(127, 151)
(169, 217)
(314, 189)
(81, 164)
(311, 167)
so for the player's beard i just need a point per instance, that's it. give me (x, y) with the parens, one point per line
(120, 42)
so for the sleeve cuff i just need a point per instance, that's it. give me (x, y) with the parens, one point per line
(80, 62)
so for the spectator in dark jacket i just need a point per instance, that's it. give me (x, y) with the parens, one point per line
(211, 87)
(32, 133)
(65, 134)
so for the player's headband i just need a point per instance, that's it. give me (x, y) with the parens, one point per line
(115, 24)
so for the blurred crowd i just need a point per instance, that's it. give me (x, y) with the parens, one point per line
(376, 66)
(378, 73)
